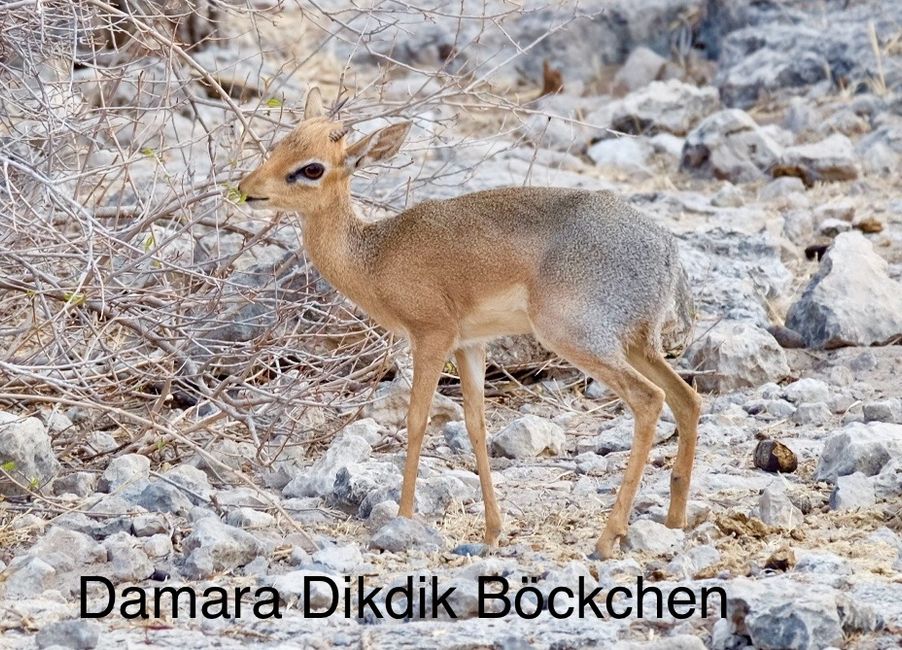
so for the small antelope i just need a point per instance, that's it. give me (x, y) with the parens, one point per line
(588, 275)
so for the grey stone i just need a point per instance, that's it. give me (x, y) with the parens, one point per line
(354, 483)
(437, 493)
(57, 421)
(841, 402)
(778, 614)
(241, 497)
(800, 116)
(736, 355)
(127, 560)
(729, 145)
(731, 272)
(672, 642)
(28, 522)
(96, 527)
(342, 559)
(885, 410)
(366, 428)
(806, 390)
(859, 447)
(291, 587)
(728, 196)
(214, 547)
(80, 484)
(651, 537)
(798, 227)
(832, 227)
(831, 159)
(816, 413)
(629, 154)
(850, 300)
(76, 634)
(250, 518)
(698, 558)
(319, 480)
(456, 437)
(881, 150)
(197, 485)
(101, 442)
(779, 408)
(160, 496)
(781, 188)
(591, 464)
(561, 124)
(306, 511)
(477, 549)
(822, 563)
(844, 121)
(888, 483)
(157, 546)
(65, 550)
(123, 471)
(27, 577)
(149, 524)
(852, 492)
(642, 66)
(776, 509)
(25, 454)
(765, 70)
(669, 145)
(618, 435)
(381, 513)
(527, 437)
(664, 106)
(769, 51)
(401, 534)
(863, 361)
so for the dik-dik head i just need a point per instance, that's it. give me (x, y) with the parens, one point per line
(309, 170)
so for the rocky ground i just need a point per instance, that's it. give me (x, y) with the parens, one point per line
(772, 148)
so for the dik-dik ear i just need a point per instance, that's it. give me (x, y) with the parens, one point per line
(381, 145)
(313, 107)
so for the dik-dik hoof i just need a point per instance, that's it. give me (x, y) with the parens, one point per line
(676, 520)
(605, 547)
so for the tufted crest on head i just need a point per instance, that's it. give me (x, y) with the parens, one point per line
(315, 160)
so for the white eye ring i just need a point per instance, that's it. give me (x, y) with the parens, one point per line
(312, 171)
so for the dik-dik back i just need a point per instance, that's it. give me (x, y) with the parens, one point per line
(563, 248)
(589, 276)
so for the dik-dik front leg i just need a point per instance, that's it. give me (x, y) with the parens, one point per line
(471, 366)
(429, 356)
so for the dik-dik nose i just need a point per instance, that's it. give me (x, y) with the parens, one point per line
(247, 189)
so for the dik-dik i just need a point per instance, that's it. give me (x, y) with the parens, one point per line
(588, 275)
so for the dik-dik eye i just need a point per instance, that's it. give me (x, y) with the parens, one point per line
(311, 171)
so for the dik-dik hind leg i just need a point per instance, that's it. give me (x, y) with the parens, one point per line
(428, 360)
(645, 400)
(471, 366)
(686, 406)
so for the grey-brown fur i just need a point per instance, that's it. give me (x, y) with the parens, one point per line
(563, 243)
(590, 276)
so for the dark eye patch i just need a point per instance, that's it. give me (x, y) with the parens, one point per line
(311, 171)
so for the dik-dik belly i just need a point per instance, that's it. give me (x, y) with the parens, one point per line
(503, 313)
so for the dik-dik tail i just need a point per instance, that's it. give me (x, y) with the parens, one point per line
(676, 326)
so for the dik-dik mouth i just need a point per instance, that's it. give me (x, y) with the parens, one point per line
(256, 201)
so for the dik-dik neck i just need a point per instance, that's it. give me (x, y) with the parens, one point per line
(333, 238)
